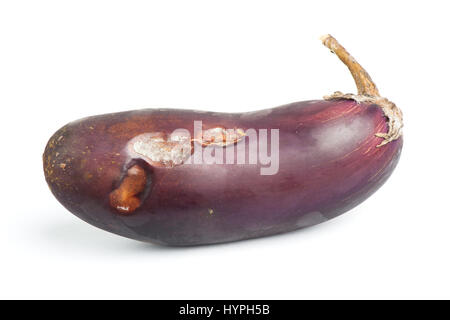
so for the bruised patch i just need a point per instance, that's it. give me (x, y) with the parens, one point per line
(162, 151)
(220, 137)
(125, 199)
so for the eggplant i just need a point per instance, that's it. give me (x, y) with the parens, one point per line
(185, 177)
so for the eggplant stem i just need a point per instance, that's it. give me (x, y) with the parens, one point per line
(367, 92)
(364, 83)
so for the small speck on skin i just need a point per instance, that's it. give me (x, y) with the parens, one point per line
(56, 154)
(211, 211)
(60, 138)
(62, 165)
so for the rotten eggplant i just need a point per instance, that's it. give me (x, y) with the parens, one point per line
(184, 177)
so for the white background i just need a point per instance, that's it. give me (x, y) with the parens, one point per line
(63, 60)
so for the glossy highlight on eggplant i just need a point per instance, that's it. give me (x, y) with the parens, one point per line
(133, 174)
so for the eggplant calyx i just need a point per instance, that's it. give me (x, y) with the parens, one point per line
(393, 114)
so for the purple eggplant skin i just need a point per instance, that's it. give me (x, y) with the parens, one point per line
(329, 163)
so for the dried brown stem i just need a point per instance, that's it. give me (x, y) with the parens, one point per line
(363, 81)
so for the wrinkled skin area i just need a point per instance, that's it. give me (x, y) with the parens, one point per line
(328, 164)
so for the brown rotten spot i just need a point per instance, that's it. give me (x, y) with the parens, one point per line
(126, 197)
